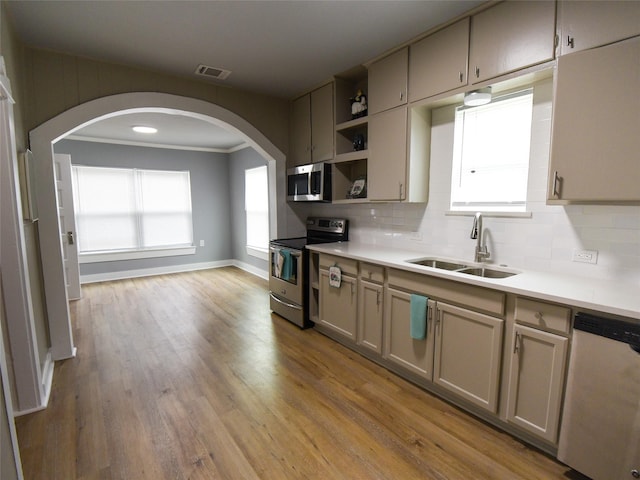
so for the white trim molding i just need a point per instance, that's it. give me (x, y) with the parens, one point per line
(191, 267)
(99, 257)
(258, 272)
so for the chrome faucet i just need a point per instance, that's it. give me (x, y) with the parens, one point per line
(476, 233)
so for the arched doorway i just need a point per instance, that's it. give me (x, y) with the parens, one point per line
(46, 135)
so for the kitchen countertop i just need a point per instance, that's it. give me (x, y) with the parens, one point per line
(606, 296)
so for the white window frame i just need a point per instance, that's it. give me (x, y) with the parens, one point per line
(260, 206)
(459, 206)
(139, 251)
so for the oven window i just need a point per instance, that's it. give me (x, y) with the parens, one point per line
(284, 265)
(298, 184)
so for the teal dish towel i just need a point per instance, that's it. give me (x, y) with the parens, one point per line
(418, 317)
(287, 265)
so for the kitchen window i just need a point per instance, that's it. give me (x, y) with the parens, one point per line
(491, 154)
(124, 213)
(256, 202)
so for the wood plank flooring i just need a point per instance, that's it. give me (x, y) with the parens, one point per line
(190, 376)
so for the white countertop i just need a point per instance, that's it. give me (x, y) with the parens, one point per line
(604, 296)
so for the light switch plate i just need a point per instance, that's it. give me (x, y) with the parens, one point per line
(585, 256)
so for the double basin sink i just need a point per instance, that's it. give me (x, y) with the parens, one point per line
(478, 271)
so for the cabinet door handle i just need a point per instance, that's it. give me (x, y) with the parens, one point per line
(477, 72)
(400, 190)
(557, 181)
(460, 76)
(378, 298)
(516, 343)
(401, 96)
(570, 42)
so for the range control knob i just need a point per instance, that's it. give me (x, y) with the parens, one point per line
(635, 473)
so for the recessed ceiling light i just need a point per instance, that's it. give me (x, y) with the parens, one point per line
(143, 129)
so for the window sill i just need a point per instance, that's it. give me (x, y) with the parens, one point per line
(471, 213)
(261, 253)
(135, 254)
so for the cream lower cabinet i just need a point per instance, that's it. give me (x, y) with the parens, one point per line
(370, 307)
(536, 380)
(339, 305)
(467, 356)
(413, 355)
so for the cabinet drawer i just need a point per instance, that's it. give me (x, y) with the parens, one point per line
(546, 316)
(348, 266)
(477, 298)
(373, 273)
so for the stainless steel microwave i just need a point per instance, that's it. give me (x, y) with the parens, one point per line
(309, 183)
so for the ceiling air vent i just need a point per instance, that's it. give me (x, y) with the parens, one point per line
(212, 72)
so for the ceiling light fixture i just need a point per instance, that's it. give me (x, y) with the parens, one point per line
(143, 129)
(479, 97)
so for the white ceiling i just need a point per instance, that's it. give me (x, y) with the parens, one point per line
(279, 48)
(174, 131)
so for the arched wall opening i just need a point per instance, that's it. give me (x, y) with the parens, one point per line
(42, 141)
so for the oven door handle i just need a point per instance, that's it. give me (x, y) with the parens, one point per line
(290, 305)
(294, 253)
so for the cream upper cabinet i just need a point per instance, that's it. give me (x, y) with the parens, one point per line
(536, 381)
(468, 351)
(388, 82)
(596, 114)
(322, 124)
(584, 25)
(400, 348)
(438, 63)
(387, 165)
(300, 132)
(510, 36)
(312, 129)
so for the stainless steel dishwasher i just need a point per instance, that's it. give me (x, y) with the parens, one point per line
(600, 432)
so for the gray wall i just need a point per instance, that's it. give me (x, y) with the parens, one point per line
(209, 196)
(239, 162)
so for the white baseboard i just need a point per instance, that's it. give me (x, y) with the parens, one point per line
(146, 272)
(258, 272)
(47, 382)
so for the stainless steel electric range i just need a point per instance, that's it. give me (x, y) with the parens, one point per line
(289, 267)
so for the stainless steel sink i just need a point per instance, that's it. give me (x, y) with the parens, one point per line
(486, 272)
(438, 263)
(452, 265)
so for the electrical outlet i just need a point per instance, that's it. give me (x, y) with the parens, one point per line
(585, 256)
(416, 236)
(202, 243)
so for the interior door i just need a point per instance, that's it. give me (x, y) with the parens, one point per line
(66, 216)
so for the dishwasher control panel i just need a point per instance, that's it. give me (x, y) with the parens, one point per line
(619, 330)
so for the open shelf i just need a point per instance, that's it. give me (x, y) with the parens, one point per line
(344, 174)
(351, 156)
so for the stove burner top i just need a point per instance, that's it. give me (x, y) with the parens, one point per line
(319, 230)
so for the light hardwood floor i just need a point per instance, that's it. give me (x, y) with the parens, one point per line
(190, 376)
